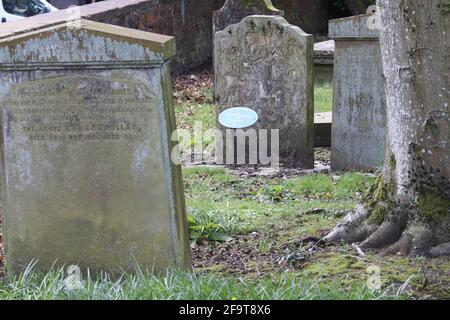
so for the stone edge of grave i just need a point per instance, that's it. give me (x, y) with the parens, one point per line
(324, 52)
(352, 28)
(163, 45)
(279, 19)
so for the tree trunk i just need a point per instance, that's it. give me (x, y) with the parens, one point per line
(358, 6)
(408, 210)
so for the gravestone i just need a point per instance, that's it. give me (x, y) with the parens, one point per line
(233, 11)
(359, 103)
(87, 177)
(266, 64)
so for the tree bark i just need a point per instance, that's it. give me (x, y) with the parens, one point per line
(408, 210)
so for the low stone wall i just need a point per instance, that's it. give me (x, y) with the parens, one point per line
(169, 17)
(324, 61)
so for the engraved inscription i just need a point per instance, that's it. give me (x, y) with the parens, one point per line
(79, 109)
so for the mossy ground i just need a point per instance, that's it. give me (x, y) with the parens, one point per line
(275, 226)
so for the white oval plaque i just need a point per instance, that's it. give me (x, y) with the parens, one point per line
(238, 118)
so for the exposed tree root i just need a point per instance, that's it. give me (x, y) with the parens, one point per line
(353, 228)
(397, 235)
(440, 250)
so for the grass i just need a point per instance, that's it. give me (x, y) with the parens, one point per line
(323, 97)
(196, 112)
(243, 205)
(178, 285)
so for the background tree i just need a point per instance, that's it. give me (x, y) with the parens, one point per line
(407, 210)
(358, 6)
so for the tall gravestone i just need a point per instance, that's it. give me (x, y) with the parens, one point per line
(359, 106)
(87, 117)
(233, 11)
(266, 64)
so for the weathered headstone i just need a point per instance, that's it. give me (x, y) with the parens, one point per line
(233, 11)
(359, 106)
(88, 180)
(266, 64)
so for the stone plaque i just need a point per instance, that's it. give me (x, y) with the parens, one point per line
(238, 118)
(266, 64)
(88, 178)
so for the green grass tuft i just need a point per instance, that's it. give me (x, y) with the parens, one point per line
(323, 97)
(179, 285)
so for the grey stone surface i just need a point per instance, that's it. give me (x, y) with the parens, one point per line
(322, 129)
(359, 106)
(87, 116)
(233, 11)
(266, 64)
(324, 62)
(324, 52)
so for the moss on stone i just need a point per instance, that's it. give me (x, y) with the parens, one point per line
(433, 205)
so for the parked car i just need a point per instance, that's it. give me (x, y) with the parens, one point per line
(11, 10)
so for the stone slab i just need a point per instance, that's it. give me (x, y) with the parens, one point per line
(266, 64)
(324, 52)
(87, 174)
(359, 103)
(354, 27)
